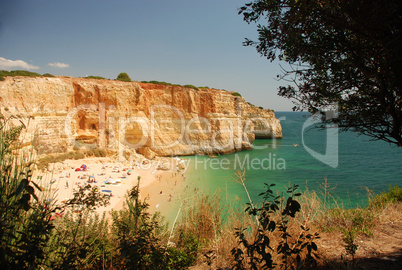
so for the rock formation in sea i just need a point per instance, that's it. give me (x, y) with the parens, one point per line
(63, 113)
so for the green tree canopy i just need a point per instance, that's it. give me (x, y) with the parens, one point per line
(123, 77)
(347, 53)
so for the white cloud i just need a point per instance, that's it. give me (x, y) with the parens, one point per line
(59, 65)
(11, 64)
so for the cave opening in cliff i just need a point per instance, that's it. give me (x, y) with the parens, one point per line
(87, 127)
(135, 136)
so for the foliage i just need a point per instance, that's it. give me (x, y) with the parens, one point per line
(295, 252)
(24, 217)
(342, 54)
(80, 236)
(136, 234)
(393, 195)
(98, 77)
(160, 82)
(236, 94)
(185, 253)
(123, 77)
(202, 217)
(349, 239)
(13, 73)
(48, 75)
(191, 86)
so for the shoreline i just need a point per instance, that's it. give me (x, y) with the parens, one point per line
(159, 187)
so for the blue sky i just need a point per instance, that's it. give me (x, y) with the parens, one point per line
(177, 41)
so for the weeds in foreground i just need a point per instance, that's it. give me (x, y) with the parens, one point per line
(381, 200)
(274, 233)
(256, 251)
(24, 216)
(79, 237)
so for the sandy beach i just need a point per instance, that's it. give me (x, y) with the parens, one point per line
(160, 188)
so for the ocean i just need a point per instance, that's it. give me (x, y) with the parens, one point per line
(306, 156)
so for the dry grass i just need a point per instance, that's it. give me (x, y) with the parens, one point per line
(320, 211)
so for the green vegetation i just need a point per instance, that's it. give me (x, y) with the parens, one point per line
(24, 215)
(294, 247)
(317, 40)
(166, 83)
(160, 82)
(48, 75)
(123, 77)
(275, 233)
(13, 73)
(19, 73)
(393, 195)
(190, 86)
(236, 94)
(97, 77)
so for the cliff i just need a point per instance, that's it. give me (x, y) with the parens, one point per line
(63, 112)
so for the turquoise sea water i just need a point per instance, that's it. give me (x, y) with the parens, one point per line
(361, 163)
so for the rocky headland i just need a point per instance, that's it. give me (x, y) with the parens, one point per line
(65, 113)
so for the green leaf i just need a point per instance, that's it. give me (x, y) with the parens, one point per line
(21, 186)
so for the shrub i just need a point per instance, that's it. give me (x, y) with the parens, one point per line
(294, 251)
(394, 194)
(136, 237)
(48, 75)
(5, 73)
(96, 77)
(123, 77)
(202, 217)
(191, 86)
(25, 223)
(185, 253)
(236, 94)
(80, 238)
(156, 82)
(2, 78)
(25, 73)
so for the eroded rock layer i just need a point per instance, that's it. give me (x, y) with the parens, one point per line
(63, 113)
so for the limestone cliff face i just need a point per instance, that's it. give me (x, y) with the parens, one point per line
(62, 113)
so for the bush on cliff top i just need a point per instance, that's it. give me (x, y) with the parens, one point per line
(95, 77)
(123, 77)
(27, 73)
(191, 86)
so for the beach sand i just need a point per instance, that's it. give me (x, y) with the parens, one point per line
(160, 188)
